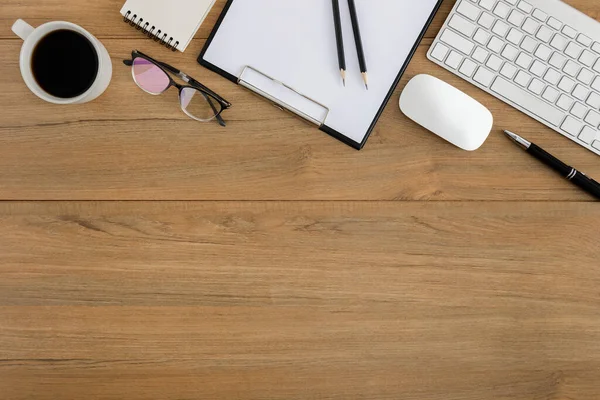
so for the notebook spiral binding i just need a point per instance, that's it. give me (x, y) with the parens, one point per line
(158, 36)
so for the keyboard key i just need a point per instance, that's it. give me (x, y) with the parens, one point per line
(500, 28)
(495, 45)
(494, 63)
(566, 84)
(530, 26)
(550, 94)
(571, 68)
(501, 10)
(596, 84)
(596, 66)
(480, 54)
(486, 20)
(487, 4)
(578, 110)
(537, 68)
(593, 118)
(544, 34)
(593, 101)
(552, 77)
(508, 70)
(525, 6)
(439, 52)
(596, 47)
(514, 36)
(523, 78)
(528, 44)
(481, 37)
(554, 23)
(584, 40)
(457, 41)
(557, 60)
(585, 76)
(484, 76)
(540, 15)
(462, 25)
(543, 52)
(533, 104)
(559, 42)
(524, 60)
(510, 52)
(468, 10)
(454, 59)
(564, 102)
(516, 18)
(588, 58)
(467, 68)
(587, 135)
(573, 50)
(581, 92)
(536, 86)
(570, 32)
(596, 145)
(572, 126)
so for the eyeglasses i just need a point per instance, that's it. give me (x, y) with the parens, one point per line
(195, 99)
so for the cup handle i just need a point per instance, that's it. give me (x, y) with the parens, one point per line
(22, 29)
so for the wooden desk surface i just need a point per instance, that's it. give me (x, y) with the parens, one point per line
(147, 256)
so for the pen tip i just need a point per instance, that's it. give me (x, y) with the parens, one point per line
(367, 86)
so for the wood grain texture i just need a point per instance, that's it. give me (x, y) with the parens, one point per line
(299, 301)
(288, 266)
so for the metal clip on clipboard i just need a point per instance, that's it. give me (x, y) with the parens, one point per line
(283, 95)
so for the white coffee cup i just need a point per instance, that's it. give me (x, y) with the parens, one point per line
(32, 36)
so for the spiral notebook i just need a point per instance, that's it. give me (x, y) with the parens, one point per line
(172, 23)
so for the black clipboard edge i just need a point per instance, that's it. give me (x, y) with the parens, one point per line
(332, 132)
(213, 32)
(401, 73)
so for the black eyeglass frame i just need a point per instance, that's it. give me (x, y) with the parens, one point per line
(191, 83)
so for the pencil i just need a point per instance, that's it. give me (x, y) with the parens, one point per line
(339, 39)
(358, 41)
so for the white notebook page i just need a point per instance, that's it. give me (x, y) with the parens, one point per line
(294, 42)
(179, 19)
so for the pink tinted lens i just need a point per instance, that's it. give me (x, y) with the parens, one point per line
(150, 77)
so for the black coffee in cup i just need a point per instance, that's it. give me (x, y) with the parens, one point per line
(64, 63)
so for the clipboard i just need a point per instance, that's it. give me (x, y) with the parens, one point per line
(285, 51)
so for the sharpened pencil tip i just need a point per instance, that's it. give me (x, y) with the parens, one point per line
(367, 86)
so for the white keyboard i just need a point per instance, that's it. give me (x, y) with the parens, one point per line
(540, 56)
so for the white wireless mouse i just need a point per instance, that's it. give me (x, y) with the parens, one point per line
(447, 112)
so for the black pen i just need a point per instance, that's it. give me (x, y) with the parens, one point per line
(358, 40)
(339, 37)
(578, 178)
